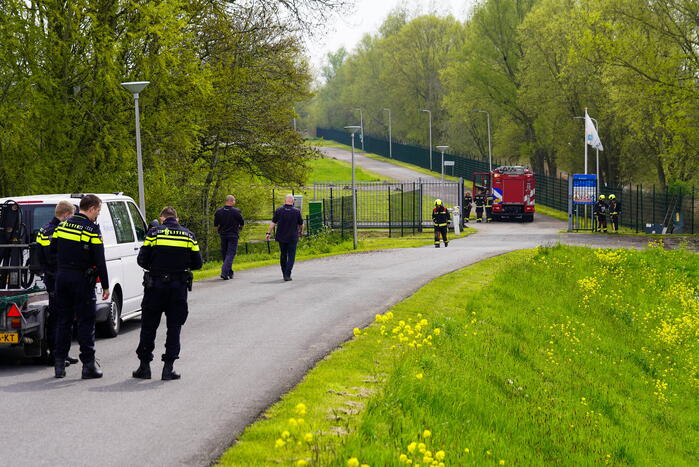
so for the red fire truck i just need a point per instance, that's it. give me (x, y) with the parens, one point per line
(513, 189)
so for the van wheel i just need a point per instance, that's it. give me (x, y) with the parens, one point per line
(111, 327)
(528, 218)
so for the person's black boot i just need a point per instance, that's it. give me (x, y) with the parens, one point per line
(60, 369)
(446, 244)
(90, 371)
(169, 372)
(71, 360)
(143, 371)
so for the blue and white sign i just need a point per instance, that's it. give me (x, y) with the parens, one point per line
(584, 188)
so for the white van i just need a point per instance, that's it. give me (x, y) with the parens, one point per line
(123, 232)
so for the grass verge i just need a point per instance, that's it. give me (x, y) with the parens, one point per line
(332, 170)
(327, 245)
(554, 355)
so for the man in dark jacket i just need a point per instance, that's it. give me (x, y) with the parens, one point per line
(77, 244)
(47, 260)
(440, 218)
(289, 223)
(229, 222)
(169, 254)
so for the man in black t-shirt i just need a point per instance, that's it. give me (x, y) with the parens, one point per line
(289, 223)
(229, 222)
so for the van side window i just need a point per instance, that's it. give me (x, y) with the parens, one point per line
(138, 222)
(122, 222)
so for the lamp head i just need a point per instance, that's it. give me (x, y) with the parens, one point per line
(442, 148)
(135, 87)
(353, 128)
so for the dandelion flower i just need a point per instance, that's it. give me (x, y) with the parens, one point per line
(403, 458)
(353, 462)
(411, 447)
(285, 434)
(293, 422)
(365, 465)
(437, 331)
(502, 462)
(279, 443)
(427, 459)
(439, 455)
(299, 421)
(419, 376)
(308, 437)
(300, 409)
(488, 452)
(426, 434)
(421, 447)
(301, 462)
(467, 450)
(357, 332)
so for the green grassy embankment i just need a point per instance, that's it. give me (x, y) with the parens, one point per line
(559, 355)
(331, 170)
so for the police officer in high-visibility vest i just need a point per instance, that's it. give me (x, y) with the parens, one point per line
(47, 260)
(488, 207)
(614, 211)
(479, 201)
(169, 253)
(440, 218)
(468, 203)
(77, 243)
(601, 209)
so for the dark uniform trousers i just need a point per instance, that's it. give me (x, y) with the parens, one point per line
(440, 230)
(467, 210)
(169, 297)
(75, 294)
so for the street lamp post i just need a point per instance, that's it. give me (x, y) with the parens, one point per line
(442, 149)
(135, 87)
(353, 129)
(490, 147)
(361, 125)
(430, 114)
(390, 140)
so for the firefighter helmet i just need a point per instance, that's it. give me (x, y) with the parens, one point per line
(612, 196)
(438, 202)
(602, 197)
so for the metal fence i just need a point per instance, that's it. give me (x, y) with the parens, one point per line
(674, 209)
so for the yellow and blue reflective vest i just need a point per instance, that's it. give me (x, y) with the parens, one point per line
(169, 248)
(77, 243)
(47, 259)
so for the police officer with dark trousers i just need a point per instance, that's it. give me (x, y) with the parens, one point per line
(229, 222)
(169, 254)
(289, 223)
(614, 211)
(479, 201)
(77, 243)
(440, 218)
(601, 209)
(468, 203)
(47, 261)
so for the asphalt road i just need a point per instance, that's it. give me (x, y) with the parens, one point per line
(247, 342)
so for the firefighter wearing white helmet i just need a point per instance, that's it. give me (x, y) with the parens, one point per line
(440, 218)
(601, 210)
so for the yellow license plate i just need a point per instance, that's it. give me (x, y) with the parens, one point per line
(9, 338)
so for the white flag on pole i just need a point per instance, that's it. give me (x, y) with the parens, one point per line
(591, 136)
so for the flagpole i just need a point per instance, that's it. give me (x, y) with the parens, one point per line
(585, 141)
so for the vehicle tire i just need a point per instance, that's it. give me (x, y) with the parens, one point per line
(497, 217)
(111, 327)
(528, 218)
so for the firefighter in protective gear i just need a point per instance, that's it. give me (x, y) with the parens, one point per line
(47, 260)
(468, 203)
(479, 201)
(440, 218)
(169, 254)
(488, 207)
(77, 244)
(601, 210)
(614, 211)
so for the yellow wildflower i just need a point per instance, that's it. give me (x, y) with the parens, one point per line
(308, 437)
(419, 376)
(467, 450)
(502, 462)
(279, 443)
(293, 422)
(440, 455)
(426, 434)
(357, 331)
(301, 462)
(299, 421)
(300, 409)
(421, 447)
(285, 434)
(437, 331)
(403, 458)
(353, 462)
(411, 447)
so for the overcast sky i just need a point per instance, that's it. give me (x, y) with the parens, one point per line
(366, 17)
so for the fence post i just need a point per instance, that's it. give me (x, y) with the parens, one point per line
(642, 222)
(332, 219)
(342, 217)
(390, 213)
(272, 201)
(402, 214)
(636, 208)
(414, 202)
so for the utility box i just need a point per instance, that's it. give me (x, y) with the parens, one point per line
(298, 202)
(315, 217)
